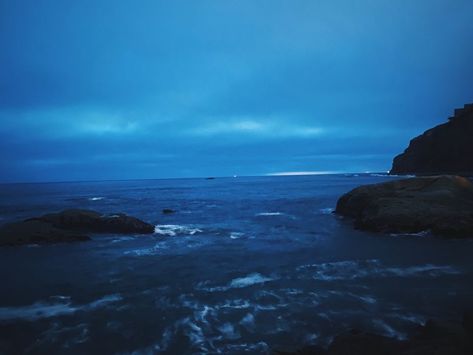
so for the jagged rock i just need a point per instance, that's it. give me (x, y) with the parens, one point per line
(70, 226)
(36, 232)
(441, 204)
(444, 149)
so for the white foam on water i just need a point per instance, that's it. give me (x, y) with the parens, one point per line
(122, 239)
(98, 198)
(41, 310)
(251, 348)
(270, 214)
(236, 235)
(418, 234)
(249, 280)
(327, 210)
(248, 321)
(352, 269)
(156, 249)
(228, 331)
(201, 315)
(173, 230)
(236, 304)
(425, 270)
(387, 330)
(193, 332)
(412, 318)
(239, 282)
(367, 299)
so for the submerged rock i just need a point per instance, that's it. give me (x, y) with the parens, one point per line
(168, 211)
(70, 226)
(444, 149)
(440, 204)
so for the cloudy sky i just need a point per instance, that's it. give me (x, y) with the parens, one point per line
(116, 89)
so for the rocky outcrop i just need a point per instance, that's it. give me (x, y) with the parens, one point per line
(440, 204)
(94, 222)
(440, 338)
(37, 232)
(70, 226)
(444, 149)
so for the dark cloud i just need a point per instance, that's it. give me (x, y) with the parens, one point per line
(122, 89)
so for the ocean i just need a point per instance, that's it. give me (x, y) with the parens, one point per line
(245, 265)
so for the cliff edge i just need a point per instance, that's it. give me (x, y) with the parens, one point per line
(444, 149)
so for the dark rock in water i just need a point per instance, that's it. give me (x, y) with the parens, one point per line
(432, 338)
(69, 226)
(36, 232)
(210, 178)
(441, 204)
(444, 149)
(168, 211)
(94, 222)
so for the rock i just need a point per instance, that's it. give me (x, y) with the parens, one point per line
(94, 222)
(441, 204)
(70, 226)
(168, 211)
(36, 232)
(433, 338)
(444, 149)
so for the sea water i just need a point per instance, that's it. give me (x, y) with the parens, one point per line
(244, 265)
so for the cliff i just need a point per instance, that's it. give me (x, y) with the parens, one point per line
(444, 149)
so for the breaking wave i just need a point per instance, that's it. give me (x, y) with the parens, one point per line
(173, 230)
(62, 306)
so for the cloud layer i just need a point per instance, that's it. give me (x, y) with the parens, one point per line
(120, 89)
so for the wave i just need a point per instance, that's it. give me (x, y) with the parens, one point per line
(239, 282)
(327, 210)
(418, 234)
(236, 235)
(173, 230)
(350, 270)
(97, 198)
(249, 280)
(41, 310)
(387, 330)
(270, 214)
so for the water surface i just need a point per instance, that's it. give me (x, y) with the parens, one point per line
(245, 265)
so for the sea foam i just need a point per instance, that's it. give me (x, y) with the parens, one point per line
(47, 309)
(173, 230)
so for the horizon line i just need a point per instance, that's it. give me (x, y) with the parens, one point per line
(276, 174)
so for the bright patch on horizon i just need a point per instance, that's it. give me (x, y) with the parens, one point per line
(298, 173)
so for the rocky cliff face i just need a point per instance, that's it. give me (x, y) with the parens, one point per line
(444, 149)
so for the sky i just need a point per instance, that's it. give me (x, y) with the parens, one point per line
(110, 89)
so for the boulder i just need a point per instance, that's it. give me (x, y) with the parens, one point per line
(444, 149)
(440, 204)
(94, 222)
(440, 338)
(36, 232)
(70, 226)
